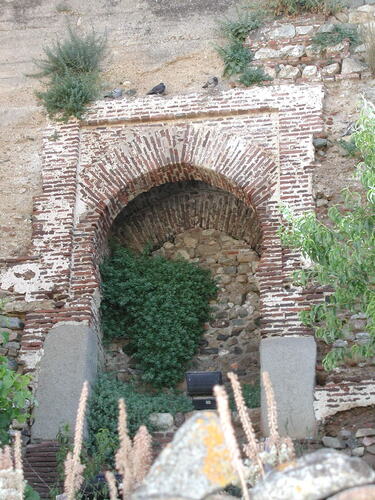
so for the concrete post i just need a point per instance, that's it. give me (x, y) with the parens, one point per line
(70, 357)
(290, 361)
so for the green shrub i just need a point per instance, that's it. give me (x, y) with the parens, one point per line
(15, 396)
(251, 395)
(349, 147)
(76, 54)
(72, 69)
(103, 409)
(238, 29)
(342, 254)
(338, 34)
(161, 306)
(236, 58)
(253, 75)
(293, 7)
(69, 94)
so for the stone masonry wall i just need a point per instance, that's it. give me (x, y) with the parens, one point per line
(288, 53)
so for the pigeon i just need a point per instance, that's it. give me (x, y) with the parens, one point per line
(211, 82)
(130, 92)
(114, 94)
(158, 89)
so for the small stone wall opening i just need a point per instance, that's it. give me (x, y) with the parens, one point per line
(208, 226)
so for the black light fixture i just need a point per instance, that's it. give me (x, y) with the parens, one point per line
(200, 387)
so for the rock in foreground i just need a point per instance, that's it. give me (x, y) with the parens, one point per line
(313, 477)
(195, 464)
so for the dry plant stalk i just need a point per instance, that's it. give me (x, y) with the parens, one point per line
(73, 466)
(368, 35)
(111, 485)
(230, 438)
(271, 409)
(142, 455)
(6, 458)
(251, 449)
(133, 460)
(11, 474)
(123, 455)
(17, 450)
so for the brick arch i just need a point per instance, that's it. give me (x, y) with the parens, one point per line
(148, 159)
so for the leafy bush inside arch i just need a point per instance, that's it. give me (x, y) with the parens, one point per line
(161, 306)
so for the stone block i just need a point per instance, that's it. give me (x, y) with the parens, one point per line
(283, 31)
(295, 51)
(266, 53)
(309, 72)
(290, 362)
(195, 464)
(331, 69)
(10, 322)
(304, 30)
(367, 431)
(70, 357)
(333, 442)
(352, 65)
(314, 476)
(289, 72)
(161, 421)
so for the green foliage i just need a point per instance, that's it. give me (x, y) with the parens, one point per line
(30, 494)
(238, 29)
(236, 58)
(72, 68)
(69, 94)
(14, 395)
(339, 33)
(349, 146)
(342, 254)
(294, 7)
(251, 395)
(103, 410)
(253, 75)
(161, 306)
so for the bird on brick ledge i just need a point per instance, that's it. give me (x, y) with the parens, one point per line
(211, 83)
(114, 94)
(157, 90)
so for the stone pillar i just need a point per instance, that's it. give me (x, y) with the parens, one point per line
(290, 361)
(70, 357)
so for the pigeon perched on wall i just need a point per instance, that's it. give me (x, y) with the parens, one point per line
(114, 94)
(157, 90)
(211, 83)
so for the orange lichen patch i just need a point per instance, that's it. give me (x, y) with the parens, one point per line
(217, 465)
(286, 465)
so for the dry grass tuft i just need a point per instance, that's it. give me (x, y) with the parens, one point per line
(230, 438)
(73, 466)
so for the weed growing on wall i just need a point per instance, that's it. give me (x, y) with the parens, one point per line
(103, 403)
(342, 255)
(237, 57)
(161, 306)
(294, 7)
(239, 28)
(253, 75)
(15, 397)
(338, 34)
(72, 70)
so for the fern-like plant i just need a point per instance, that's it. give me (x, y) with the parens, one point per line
(253, 75)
